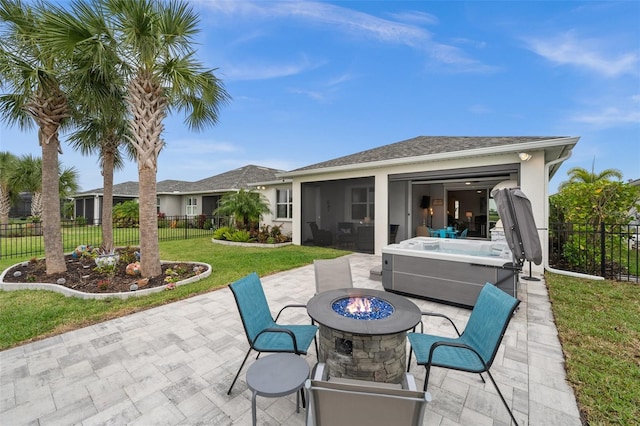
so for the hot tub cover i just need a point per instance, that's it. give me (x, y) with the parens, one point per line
(520, 229)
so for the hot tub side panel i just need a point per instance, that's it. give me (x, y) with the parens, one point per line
(442, 280)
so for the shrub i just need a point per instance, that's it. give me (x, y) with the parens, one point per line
(239, 236)
(81, 221)
(126, 214)
(220, 233)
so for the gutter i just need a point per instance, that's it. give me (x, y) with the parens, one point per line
(547, 166)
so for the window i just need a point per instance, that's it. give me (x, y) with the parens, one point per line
(284, 204)
(362, 203)
(192, 206)
(157, 204)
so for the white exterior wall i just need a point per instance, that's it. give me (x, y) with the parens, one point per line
(170, 205)
(271, 193)
(532, 182)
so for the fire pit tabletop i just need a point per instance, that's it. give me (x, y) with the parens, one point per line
(405, 315)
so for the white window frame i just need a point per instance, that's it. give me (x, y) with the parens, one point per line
(288, 204)
(192, 206)
(369, 202)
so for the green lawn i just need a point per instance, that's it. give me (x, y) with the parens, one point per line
(28, 315)
(599, 327)
(598, 321)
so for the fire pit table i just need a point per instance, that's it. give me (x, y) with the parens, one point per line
(363, 332)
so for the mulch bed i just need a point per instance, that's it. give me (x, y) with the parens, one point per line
(83, 275)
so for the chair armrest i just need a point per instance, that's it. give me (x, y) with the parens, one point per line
(435, 345)
(281, 330)
(434, 314)
(289, 306)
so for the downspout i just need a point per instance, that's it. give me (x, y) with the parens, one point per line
(546, 226)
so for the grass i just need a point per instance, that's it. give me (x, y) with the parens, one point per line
(598, 321)
(599, 327)
(29, 315)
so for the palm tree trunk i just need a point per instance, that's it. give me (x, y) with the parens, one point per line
(107, 200)
(149, 248)
(52, 233)
(36, 203)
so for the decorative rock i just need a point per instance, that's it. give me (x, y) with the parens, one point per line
(133, 287)
(61, 281)
(80, 250)
(133, 269)
(24, 264)
(143, 282)
(17, 274)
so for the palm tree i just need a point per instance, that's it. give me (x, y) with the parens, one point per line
(155, 39)
(244, 206)
(35, 96)
(82, 34)
(581, 175)
(8, 163)
(27, 177)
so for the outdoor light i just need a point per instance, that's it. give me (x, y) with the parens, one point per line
(525, 156)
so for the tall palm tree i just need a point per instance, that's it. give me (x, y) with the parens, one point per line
(156, 40)
(8, 163)
(35, 96)
(100, 118)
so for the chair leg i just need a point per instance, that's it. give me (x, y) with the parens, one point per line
(427, 367)
(409, 360)
(502, 398)
(239, 369)
(315, 340)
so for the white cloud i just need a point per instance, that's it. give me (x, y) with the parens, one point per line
(265, 71)
(354, 23)
(609, 117)
(593, 54)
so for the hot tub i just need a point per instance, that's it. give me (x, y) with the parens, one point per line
(447, 270)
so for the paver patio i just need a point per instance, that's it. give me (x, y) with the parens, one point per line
(172, 365)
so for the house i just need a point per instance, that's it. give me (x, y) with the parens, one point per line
(425, 181)
(182, 198)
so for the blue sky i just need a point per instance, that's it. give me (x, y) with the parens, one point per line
(312, 81)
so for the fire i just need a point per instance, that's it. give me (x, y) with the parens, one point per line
(358, 305)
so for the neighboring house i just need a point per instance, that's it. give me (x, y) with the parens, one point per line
(432, 181)
(182, 198)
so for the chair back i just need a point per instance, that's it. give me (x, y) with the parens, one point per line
(464, 233)
(347, 404)
(252, 305)
(314, 229)
(488, 321)
(332, 274)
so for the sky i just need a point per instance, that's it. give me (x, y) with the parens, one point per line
(312, 81)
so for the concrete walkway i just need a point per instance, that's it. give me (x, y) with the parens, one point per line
(172, 365)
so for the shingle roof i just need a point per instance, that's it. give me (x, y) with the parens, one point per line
(236, 179)
(243, 177)
(425, 145)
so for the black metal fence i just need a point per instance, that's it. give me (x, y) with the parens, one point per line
(607, 250)
(24, 240)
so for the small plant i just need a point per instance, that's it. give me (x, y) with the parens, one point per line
(103, 285)
(31, 278)
(81, 221)
(171, 286)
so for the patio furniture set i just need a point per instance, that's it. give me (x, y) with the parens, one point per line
(362, 375)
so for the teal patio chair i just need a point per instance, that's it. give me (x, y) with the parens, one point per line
(475, 349)
(263, 333)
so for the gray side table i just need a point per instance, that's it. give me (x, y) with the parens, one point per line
(277, 375)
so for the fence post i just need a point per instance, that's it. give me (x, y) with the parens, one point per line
(603, 256)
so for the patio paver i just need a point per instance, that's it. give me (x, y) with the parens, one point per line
(173, 364)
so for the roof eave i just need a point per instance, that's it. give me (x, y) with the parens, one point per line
(505, 149)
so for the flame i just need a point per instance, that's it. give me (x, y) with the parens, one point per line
(358, 305)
